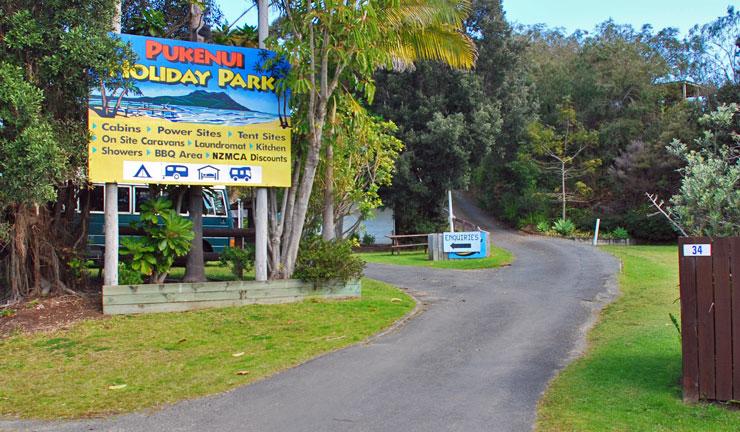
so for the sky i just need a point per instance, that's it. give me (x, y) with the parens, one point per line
(575, 14)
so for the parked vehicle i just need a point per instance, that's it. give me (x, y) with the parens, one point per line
(216, 212)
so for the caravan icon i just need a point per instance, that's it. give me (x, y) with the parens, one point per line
(175, 171)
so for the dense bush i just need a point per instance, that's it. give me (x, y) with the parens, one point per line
(368, 239)
(127, 275)
(320, 260)
(531, 220)
(708, 202)
(241, 260)
(644, 227)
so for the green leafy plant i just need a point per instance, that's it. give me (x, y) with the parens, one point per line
(564, 227)
(620, 233)
(241, 260)
(543, 226)
(167, 236)
(128, 276)
(320, 260)
(708, 201)
(368, 239)
(7, 313)
(531, 220)
(78, 267)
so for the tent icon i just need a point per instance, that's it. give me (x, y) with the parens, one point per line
(142, 172)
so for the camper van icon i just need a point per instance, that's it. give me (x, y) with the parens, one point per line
(175, 171)
(240, 173)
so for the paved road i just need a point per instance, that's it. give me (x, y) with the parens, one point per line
(477, 359)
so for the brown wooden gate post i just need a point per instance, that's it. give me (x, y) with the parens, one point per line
(689, 327)
(722, 318)
(710, 319)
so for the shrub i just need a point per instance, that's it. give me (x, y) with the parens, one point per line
(320, 260)
(620, 233)
(167, 236)
(531, 220)
(127, 275)
(78, 268)
(655, 229)
(564, 227)
(368, 239)
(241, 260)
(543, 226)
(708, 201)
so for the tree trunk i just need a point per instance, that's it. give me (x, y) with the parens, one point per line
(195, 268)
(301, 206)
(104, 98)
(562, 185)
(328, 229)
(118, 103)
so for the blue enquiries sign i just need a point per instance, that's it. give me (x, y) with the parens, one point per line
(482, 253)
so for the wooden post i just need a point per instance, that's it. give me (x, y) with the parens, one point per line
(260, 211)
(110, 261)
(689, 325)
(110, 275)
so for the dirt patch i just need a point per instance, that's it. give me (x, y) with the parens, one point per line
(48, 314)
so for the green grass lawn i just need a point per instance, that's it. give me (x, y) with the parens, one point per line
(163, 358)
(628, 379)
(498, 258)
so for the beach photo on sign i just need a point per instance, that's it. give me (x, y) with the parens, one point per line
(184, 82)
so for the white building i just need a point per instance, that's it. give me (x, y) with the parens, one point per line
(379, 225)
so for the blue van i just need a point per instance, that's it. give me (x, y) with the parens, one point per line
(216, 213)
(240, 173)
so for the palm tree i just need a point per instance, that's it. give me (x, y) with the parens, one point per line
(336, 47)
(417, 30)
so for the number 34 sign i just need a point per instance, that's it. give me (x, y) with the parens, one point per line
(697, 250)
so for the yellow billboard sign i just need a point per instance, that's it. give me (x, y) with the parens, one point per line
(181, 115)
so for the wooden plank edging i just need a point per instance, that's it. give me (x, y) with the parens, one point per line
(178, 297)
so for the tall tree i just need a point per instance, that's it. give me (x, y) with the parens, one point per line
(167, 18)
(50, 56)
(448, 125)
(416, 43)
(344, 43)
(561, 145)
(715, 49)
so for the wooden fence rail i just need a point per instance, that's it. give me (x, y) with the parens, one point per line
(710, 318)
